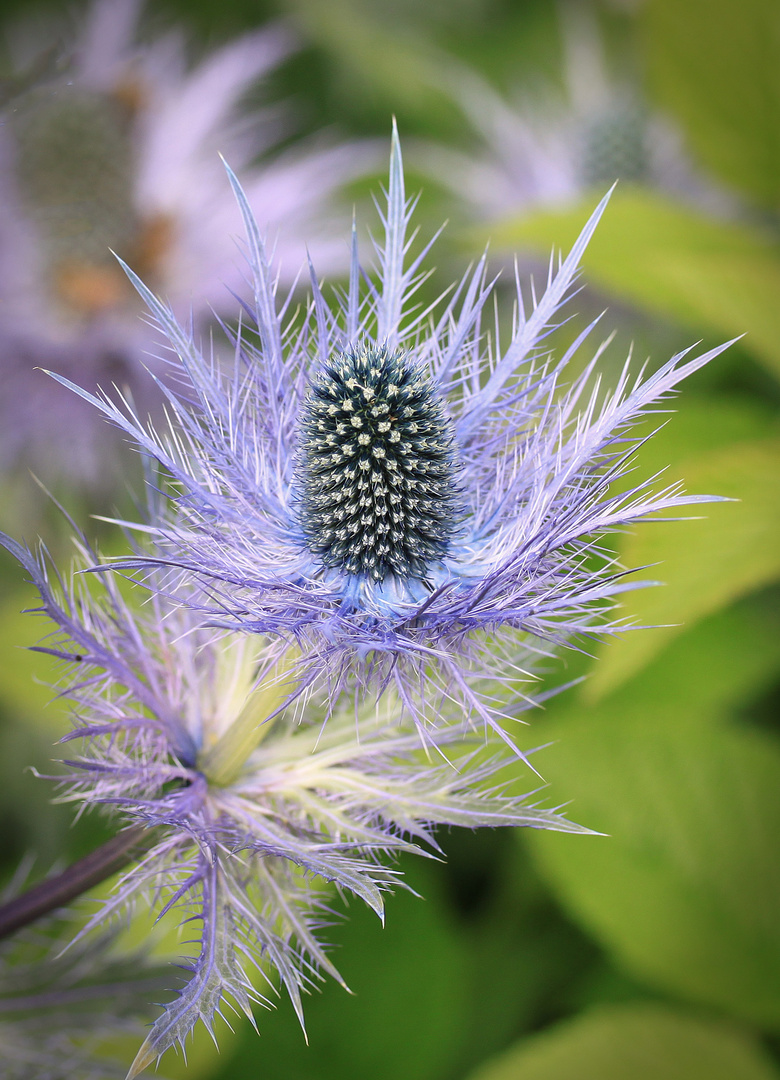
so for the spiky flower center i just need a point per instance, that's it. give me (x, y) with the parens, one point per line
(376, 467)
(75, 165)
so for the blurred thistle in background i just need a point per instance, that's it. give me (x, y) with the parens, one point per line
(549, 146)
(110, 142)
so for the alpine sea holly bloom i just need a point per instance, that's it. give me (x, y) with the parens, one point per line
(116, 148)
(542, 147)
(393, 489)
(251, 807)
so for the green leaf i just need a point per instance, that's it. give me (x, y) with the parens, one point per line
(715, 65)
(685, 888)
(722, 664)
(706, 564)
(379, 56)
(637, 1042)
(701, 425)
(711, 275)
(26, 685)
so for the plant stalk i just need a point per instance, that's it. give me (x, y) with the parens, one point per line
(82, 875)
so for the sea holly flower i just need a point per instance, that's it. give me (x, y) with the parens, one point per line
(251, 806)
(539, 150)
(394, 490)
(544, 145)
(114, 146)
(535, 151)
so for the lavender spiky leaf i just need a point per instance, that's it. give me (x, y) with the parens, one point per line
(255, 806)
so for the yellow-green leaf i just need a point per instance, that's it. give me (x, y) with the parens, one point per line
(705, 564)
(685, 888)
(715, 276)
(634, 1042)
(715, 64)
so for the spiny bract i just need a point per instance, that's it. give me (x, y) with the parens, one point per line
(252, 807)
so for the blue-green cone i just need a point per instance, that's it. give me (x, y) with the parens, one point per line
(376, 467)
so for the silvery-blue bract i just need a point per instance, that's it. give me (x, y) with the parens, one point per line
(252, 808)
(393, 488)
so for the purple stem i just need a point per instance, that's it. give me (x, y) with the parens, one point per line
(82, 875)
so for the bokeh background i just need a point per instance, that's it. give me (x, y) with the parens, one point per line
(652, 951)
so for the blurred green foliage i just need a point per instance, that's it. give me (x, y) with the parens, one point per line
(634, 1043)
(652, 952)
(715, 65)
(716, 276)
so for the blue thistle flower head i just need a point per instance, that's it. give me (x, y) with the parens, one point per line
(253, 804)
(392, 486)
(376, 467)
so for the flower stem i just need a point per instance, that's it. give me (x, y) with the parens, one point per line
(82, 875)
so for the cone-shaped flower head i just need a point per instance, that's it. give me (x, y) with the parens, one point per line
(393, 489)
(376, 468)
(253, 806)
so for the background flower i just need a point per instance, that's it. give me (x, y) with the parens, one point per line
(115, 147)
(548, 145)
